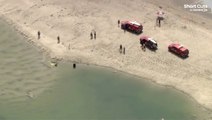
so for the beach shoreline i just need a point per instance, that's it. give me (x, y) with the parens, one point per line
(81, 59)
(44, 50)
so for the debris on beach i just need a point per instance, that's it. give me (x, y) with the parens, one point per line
(54, 64)
(30, 94)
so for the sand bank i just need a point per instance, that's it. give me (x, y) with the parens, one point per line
(74, 20)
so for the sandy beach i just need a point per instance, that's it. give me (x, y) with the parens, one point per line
(74, 20)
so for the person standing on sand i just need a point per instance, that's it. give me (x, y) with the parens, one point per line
(142, 43)
(39, 35)
(120, 49)
(118, 23)
(91, 35)
(160, 17)
(144, 47)
(94, 34)
(58, 39)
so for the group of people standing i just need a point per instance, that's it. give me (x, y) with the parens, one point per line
(160, 17)
(93, 35)
(58, 37)
(122, 50)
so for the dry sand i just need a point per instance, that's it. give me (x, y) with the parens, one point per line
(73, 20)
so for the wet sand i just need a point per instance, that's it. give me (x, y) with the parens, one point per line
(66, 18)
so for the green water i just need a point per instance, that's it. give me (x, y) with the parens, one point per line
(87, 93)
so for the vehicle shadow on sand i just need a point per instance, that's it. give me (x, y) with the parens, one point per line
(132, 32)
(183, 58)
(149, 49)
(152, 50)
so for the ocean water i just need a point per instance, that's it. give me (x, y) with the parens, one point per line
(22, 67)
(86, 93)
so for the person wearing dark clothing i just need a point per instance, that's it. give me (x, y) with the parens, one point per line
(58, 39)
(142, 42)
(160, 17)
(39, 34)
(74, 66)
(94, 34)
(91, 35)
(144, 47)
(120, 49)
(124, 51)
(118, 23)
